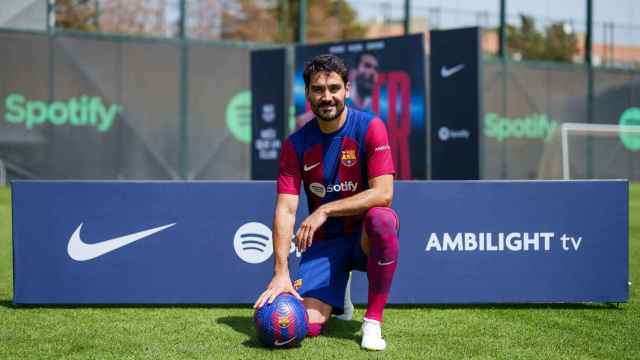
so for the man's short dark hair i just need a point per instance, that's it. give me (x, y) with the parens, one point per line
(363, 54)
(325, 63)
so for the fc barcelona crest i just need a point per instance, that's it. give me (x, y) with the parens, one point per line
(349, 157)
(283, 322)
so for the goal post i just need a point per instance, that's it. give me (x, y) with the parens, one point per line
(625, 137)
(3, 174)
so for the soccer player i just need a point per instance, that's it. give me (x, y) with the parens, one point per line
(343, 159)
(365, 77)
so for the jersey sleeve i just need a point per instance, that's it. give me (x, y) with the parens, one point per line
(289, 174)
(379, 159)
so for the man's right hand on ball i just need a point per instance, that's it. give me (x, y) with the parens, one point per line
(278, 285)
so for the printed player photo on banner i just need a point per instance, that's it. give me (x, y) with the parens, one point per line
(387, 79)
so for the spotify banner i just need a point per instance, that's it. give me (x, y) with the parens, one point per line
(100, 108)
(461, 242)
(77, 111)
(455, 104)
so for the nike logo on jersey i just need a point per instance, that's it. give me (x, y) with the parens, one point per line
(307, 168)
(445, 73)
(381, 263)
(280, 343)
(80, 251)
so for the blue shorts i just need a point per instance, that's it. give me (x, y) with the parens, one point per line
(324, 270)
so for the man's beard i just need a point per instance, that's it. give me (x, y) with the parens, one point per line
(364, 85)
(320, 116)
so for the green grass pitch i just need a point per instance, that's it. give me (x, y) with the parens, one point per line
(578, 331)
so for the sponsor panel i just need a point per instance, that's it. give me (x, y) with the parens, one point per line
(455, 104)
(211, 242)
(268, 115)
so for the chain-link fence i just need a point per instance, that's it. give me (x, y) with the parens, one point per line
(554, 27)
(81, 106)
(526, 103)
(97, 107)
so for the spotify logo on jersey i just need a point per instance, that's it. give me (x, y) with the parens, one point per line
(321, 191)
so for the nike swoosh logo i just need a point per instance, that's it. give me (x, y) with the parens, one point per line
(385, 263)
(307, 168)
(80, 251)
(445, 73)
(280, 343)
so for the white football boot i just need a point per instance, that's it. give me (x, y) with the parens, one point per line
(372, 335)
(348, 305)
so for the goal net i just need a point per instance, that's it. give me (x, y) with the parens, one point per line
(592, 151)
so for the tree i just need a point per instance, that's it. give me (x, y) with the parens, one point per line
(555, 44)
(561, 45)
(331, 20)
(244, 20)
(327, 20)
(253, 22)
(75, 14)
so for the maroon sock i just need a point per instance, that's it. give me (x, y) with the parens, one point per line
(381, 225)
(314, 329)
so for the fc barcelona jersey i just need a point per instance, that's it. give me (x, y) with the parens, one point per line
(335, 166)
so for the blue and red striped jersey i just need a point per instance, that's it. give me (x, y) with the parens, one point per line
(336, 165)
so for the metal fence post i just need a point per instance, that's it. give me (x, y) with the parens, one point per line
(589, 63)
(407, 16)
(503, 52)
(302, 19)
(51, 16)
(284, 21)
(184, 95)
(3, 174)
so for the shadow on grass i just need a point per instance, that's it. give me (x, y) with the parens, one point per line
(334, 329)
(333, 323)
(243, 325)
(343, 329)
(6, 303)
(9, 304)
(517, 306)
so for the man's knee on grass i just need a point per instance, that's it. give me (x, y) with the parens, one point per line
(319, 312)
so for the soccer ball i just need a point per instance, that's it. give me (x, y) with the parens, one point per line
(283, 323)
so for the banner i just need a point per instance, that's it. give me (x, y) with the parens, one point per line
(101, 107)
(267, 111)
(383, 83)
(455, 104)
(211, 242)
